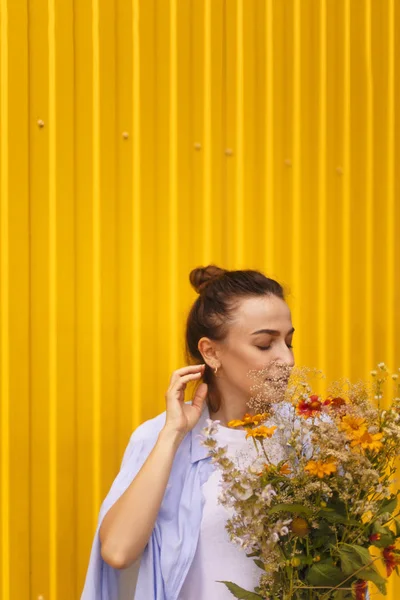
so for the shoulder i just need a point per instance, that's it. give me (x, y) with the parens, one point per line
(150, 428)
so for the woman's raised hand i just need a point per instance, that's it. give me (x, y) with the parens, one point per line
(182, 417)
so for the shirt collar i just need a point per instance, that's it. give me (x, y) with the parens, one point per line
(197, 450)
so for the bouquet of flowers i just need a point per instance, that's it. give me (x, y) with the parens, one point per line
(316, 516)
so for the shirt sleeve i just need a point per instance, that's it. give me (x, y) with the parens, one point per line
(102, 580)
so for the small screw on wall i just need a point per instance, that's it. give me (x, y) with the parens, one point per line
(125, 135)
(197, 146)
(228, 152)
(40, 123)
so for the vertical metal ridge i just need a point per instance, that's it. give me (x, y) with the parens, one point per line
(269, 260)
(96, 352)
(346, 195)
(173, 188)
(390, 206)
(369, 191)
(207, 193)
(137, 240)
(390, 223)
(52, 301)
(296, 190)
(322, 201)
(239, 208)
(4, 310)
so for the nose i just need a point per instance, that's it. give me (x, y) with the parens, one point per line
(284, 356)
(282, 361)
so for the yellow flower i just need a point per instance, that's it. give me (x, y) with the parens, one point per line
(352, 425)
(236, 423)
(367, 441)
(320, 468)
(261, 431)
(367, 516)
(248, 420)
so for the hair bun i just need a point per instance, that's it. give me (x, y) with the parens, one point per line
(201, 277)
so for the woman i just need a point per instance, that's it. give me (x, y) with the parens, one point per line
(162, 507)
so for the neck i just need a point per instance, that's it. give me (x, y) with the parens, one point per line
(235, 408)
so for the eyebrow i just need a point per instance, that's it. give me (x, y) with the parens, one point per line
(271, 331)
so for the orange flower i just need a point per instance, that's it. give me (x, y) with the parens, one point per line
(390, 559)
(261, 432)
(310, 407)
(285, 470)
(320, 468)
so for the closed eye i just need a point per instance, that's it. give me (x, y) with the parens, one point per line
(268, 347)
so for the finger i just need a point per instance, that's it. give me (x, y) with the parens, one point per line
(185, 370)
(182, 381)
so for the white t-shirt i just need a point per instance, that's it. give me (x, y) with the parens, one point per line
(217, 557)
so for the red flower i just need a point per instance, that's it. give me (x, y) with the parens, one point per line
(360, 588)
(308, 408)
(374, 537)
(334, 402)
(390, 559)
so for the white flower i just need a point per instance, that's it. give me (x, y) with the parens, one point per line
(284, 531)
(268, 493)
(211, 428)
(244, 493)
(275, 537)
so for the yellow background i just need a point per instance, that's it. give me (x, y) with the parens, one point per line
(142, 138)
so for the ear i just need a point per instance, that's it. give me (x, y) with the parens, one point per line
(209, 351)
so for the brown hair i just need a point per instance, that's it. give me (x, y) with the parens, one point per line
(219, 291)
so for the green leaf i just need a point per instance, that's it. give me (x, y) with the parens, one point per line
(259, 563)
(371, 574)
(389, 505)
(397, 525)
(292, 508)
(342, 595)
(324, 573)
(333, 516)
(322, 536)
(353, 557)
(239, 592)
(256, 553)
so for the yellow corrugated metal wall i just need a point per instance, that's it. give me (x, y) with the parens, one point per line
(141, 138)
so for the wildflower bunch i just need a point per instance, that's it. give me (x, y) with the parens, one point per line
(318, 495)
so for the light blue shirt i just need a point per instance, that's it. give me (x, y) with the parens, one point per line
(170, 550)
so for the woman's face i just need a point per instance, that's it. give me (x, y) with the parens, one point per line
(262, 332)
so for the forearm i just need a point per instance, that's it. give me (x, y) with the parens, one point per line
(127, 526)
